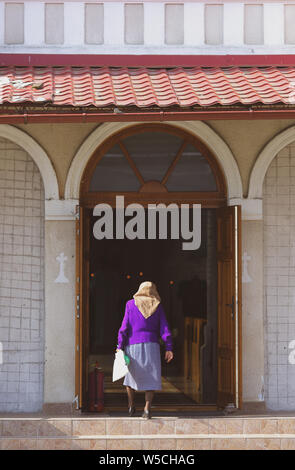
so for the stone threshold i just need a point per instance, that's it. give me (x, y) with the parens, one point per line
(155, 436)
(132, 429)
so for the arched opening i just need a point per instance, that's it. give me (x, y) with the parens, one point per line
(145, 165)
(146, 160)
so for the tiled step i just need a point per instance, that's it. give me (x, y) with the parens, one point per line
(157, 433)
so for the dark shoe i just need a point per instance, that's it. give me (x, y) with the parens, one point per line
(131, 410)
(146, 414)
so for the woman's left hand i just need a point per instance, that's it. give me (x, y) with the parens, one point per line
(168, 356)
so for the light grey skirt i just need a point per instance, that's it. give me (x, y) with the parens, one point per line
(145, 366)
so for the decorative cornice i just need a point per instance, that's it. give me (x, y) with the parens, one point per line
(252, 209)
(63, 209)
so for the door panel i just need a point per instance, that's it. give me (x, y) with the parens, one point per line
(229, 311)
(78, 316)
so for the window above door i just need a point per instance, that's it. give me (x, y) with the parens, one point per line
(152, 156)
(150, 159)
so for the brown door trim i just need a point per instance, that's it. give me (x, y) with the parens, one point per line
(88, 200)
(229, 343)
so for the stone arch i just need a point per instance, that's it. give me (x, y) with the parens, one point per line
(38, 154)
(199, 129)
(269, 152)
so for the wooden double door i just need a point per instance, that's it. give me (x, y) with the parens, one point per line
(228, 357)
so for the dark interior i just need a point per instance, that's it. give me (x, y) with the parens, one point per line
(187, 284)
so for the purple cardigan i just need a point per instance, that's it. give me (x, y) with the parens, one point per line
(137, 329)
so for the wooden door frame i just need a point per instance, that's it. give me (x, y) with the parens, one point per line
(229, 348)
(238, 337)
(88, 200)
(82, 326)
(82, 303)
(150, 195)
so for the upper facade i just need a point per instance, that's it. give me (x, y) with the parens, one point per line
(149, 27)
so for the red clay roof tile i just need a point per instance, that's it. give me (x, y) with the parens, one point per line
(145, 87)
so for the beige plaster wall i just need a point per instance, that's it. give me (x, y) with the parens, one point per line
(245, 138)
(61, 142)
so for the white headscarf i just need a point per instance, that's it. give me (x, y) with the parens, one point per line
(147, 298)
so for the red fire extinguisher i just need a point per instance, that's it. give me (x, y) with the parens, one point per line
(96, 389)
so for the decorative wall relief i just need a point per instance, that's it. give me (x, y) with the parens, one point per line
(245, 275)
(61, 278)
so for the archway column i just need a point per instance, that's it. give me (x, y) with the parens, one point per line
(60, 276)
(60, 241)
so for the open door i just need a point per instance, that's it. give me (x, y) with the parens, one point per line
(81, 320)
(229, 386)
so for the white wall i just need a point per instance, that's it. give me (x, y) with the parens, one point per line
(175, 27)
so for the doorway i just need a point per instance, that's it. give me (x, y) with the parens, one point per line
(198, 288)
(187, 283)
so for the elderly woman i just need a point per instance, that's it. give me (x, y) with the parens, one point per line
(143, 323)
